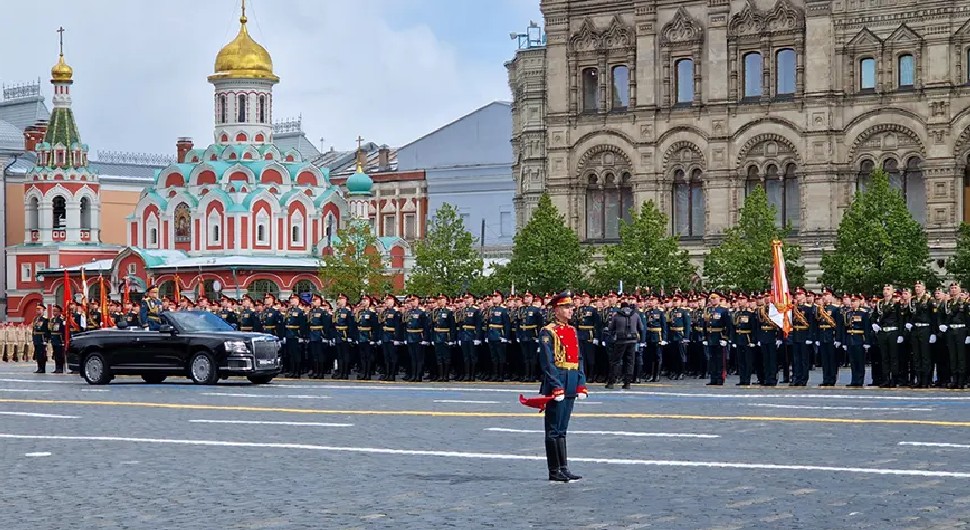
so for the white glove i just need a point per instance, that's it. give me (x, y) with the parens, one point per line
(735, 346)
(967, 340)
(477, 342)
(909, 326)
(596, 342)
(899, 340)
(425, 343)
(943, 328)
(582, 395)
(352, 341)
(397, 343)
(704, 342)
(777, 344)
(722, 343)
(932, 339)
(505, 340)
(663, 343)
(838, 344)
(560, 397)
(451, 344)
(845, 347)
(866, 347)
(380, 342)
(808, 343)
(876, 328)
(759, 343)
(371, 343)
(817, 343)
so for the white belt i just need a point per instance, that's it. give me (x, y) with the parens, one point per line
(890, 328)
(920, 325)
(957, 326)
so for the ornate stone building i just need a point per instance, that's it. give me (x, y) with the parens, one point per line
(692, 103)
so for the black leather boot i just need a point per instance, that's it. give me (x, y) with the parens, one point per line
(552, 461)
(563, 466)
(445, 372)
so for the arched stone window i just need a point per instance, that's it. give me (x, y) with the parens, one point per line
(906, 71)
(223, 108)
(752, 180)
(607, 201)
(262, 109)
(33, 218)
(753, 74)
(785, 72)
(914, 189)
(771, 163)
(304, 286)
(296, 229)
(151, 227)
(688, 203)
(685, 81)
(85, 213)
(867, 74)
(241, 108)
(262, 228)
(260, 288)
(591, 90)
(214, 223)
(58, 212)
(621, 87)
(865, 174)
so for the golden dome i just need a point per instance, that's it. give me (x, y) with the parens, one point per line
(61, 72)
(243, 58)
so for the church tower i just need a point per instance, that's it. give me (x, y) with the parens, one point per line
(243, 81)
(62, 195)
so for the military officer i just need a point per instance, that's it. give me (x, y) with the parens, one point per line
(717, 327)
(655, 338)
(953, 316)
(227, 313)
(443, 337)
(40, 335)
(922, 310)
(56, 335)
(94, 317)
(698, 338)
(589, 328)
(151, 309)
(744, 325)
(133, 315)
(368, 335)
(392, 336)
(678, 333)
(346, 332)
(563, 378)
(469, 336)
(828, 336)
(768, 339)
(248, 319)
(416, 329)
(316, 335)
(271, 320)
(886, 323)
(856, 338)
(531, 321)
(499, 330)
(803, 338)
(295, 323)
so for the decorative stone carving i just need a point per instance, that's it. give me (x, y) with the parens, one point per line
(603, 156)
(784, 17)
(685, 154)
(748, 21)
(618, 35)
(681, 29)
(586, 39)
(886, 137)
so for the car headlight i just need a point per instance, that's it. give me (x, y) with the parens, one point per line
(235, 346)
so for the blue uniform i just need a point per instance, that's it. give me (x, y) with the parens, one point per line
(745, 327)
(678, 333)
(856, 336)
(469, 336)
(443, 335)
(249, 321)
(717, 326)
(499, 331)
(531, 320)
(416, 328)
(151, 313)
(392, 335)
(368, 335)
(803, 342)
(767, 336)
(346, 334)
(561, 364)
(317, 337)
(40, 334)
(655, 336)
(295, 325)
(828, 320)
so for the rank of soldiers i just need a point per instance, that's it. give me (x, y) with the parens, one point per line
(909, 337)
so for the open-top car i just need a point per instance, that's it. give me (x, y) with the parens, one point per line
(195, 344)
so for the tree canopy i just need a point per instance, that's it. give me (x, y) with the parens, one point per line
(445, 260)
(356, 266)
(547, 255)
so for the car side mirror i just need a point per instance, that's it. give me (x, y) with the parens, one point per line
(165, 328)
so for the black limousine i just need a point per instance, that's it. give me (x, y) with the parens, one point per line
(193, 344)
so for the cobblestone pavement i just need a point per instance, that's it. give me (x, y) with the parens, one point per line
(321, 454)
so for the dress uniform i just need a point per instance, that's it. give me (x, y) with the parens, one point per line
(678, 333)
(745, 326)
(346, 332)
(416, 329)
(316, 335)
(248, 320)
(469, 337)
(40, 335)
(392, 336)
(828, 325)
(93, 320)
(856, 338)
(589, 328)
(922, 310)
(227, 314)
(443, 337)
(531, 321)
(368, 335)
(803, 339)
(295, 323)
(886, 324)
(655, 339)
(717, 328)
(953, 316)
(499, 330)
(270, 319)
(767, 338)
(697, 338)
(563, 378)
(151, 310)
(56, 334)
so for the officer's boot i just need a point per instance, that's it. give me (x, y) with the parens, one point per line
(5, 358)
(654, 371)
(552, 461)
(563, 465)
(445, 372)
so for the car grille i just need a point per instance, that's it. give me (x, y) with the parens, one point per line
(266, 349)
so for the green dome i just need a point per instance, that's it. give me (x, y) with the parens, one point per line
(360, 183)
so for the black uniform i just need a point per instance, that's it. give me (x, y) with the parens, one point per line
(856, 337)
(470, 336)
(346, 334)
(443, 337)
(531, 320)
(416, 328)
(392, 335)
(922, 313)
(953, 317)
(745, 325)
(767, 337)
(56, 327)
(368, 335)
(828, 323)
(40, 335)
(888, 320)
(295, 323)
(499, 330)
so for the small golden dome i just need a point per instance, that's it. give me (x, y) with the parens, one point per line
(243, 58)
(61, 72)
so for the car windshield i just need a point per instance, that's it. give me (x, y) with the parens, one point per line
(197, 321)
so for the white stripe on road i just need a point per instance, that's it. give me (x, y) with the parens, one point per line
(294, 423)
(264, 396)
(616, 433)
(95, 390)
(809, 407)
(37, 454)
(40, 415)
(41, 381)
(498, 456)
(935, 444)
(470, 401)
(24, 390)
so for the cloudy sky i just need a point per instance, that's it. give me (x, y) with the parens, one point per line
(388, 70)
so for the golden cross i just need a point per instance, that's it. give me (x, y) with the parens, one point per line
(244, 7)
(60, 31)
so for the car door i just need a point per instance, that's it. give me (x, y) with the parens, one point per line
(163, 350)
(124, 348)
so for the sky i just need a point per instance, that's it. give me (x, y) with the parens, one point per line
(387, 70)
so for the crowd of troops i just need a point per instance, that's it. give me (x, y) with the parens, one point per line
(909, 337)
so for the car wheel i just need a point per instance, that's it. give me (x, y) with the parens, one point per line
(259, 379)
(153, 379)
(95, 370)
(203, 370)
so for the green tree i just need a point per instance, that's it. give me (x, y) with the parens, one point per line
(877, 242)
(446, 260)
(547, 256)
(646, 256)
(356, 266)
(743, 259)
(959, 264)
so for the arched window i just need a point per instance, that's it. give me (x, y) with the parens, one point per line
(774, 188)
(607, 202)
(685, 81)
(907, 74)
(331, 228)
(215, 228)
(891, 167)
(621, 87)
(261, 234)
(262, 109)
(262, 228)
(296, 228)
(752, 75)
(85, 213)
(241, 108)
(304, 286)
(591, 90)
(59, 212)
(785, 63)
(152, 227)
(166, 289)
(793, 198)
(33, 219)
(209, 289)
(260, 288)
(865, 175)
(94, 291)
(752, 180)
(688, 204)
(222, 109)
(183, 223)
(867, 74)
(914, 189)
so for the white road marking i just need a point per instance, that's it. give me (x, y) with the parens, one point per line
(809, 407)
(39, 415)
(294, 423)
(264, 396)
(95, 390)
(935, 444)
(24, 390)
(41, 381)
(585, 402)
(44, 453)
(615, 433)
(499, 456)
(469, 401)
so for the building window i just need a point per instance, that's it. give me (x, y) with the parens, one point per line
(304, 286)
(410, 226)
(59, 212)
(296, 228)
(688, 204)
(241, 109)
(867, 74)
(132, 269)
(685, 81)
(389, 223)
(752, 180)
(906, 72)
(785, 63)
(152, 226)
(621, 87)
(25, 273)
(262, 109)
(33, 218)
(752, 75)
(261, 234)
(606, 203)
(505, 222)
(775, 190)
(258, 289)
(891, 167)
(792, 206)
(591, 90)
(222, 108)
(914, 189)
(865, 175)
(262, 228)
(215, 228)
(85, 213)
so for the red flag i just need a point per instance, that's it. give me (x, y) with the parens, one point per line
(178, 289)
(538, 402)
(66, 303)
(106, 320)
(127, 296)
(780, 309)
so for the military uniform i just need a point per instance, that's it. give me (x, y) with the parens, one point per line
(953, 317)
(416, 328)
(230, 317)
(271, 321)
(767, 339)
(678, 333)
(443, 337)
(589, 329)
(318, 322)
(41, 334)
(499, 329)
(248, 321)
(151, 313)
(392, 335)
(93, 320)
(531, 320)
(295, 323)
(828, 322)
(803, 342)
(745, 326)
(717, 327)
(368, 335)
(922, 333)
(697, 352)
(346, 334)
(887, 321)
(856, 338)
(56, 327)
(655, 338)
(470, 336)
